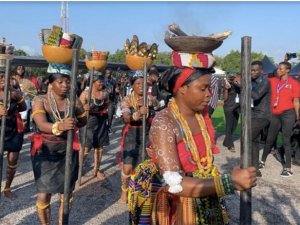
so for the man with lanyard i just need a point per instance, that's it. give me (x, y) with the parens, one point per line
(110, 86)
(285, 93)
(261, 112)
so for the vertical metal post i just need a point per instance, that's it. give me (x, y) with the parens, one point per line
(81, 153)
(70, 134)
(3, 119)
(145, 103)
(246, 143)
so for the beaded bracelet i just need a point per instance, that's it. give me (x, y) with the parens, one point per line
(227, 184)
(218, 186)
(136, 116)
(223, 185)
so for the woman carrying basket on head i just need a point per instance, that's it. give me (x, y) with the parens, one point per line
(180, 184)
(131, 143)
(14, 132)
(97, 125)
(48, 149)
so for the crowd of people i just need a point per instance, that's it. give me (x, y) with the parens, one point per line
(180, 137)
(275, 108)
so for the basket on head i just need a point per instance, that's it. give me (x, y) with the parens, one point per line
(55, 54)
(135, 62)
(193, 44)
(98, 65)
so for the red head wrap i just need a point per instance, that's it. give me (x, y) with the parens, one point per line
(185, 74)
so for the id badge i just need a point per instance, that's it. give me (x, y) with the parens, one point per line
(252, 103)
(237, 99)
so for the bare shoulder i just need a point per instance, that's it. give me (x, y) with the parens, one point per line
(39, 100)
(164, 120)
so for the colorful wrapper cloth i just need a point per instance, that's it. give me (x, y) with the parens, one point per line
(59, 68)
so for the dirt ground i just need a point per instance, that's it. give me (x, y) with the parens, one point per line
(275, 200)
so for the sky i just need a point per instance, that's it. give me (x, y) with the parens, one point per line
(104, 26)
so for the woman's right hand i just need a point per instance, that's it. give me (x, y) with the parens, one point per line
(243, 179)
(67, 124)
(86, 107)
(143, 110)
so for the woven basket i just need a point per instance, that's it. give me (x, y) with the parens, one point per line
(193, 44)
(55, 54)
(98, 65)
(135, 62)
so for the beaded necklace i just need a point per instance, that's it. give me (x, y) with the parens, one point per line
(95, 102)
(54, 108)
(205, 163)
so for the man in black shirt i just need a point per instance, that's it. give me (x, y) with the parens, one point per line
(261, 111)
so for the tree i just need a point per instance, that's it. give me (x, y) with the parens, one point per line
(232, 61)
(82, 53)
(20, 52)
(163, 58)
(219, 61)
(118, 56)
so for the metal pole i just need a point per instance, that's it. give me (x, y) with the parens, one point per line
(3, 119)
(145, 103)
(69, 149)
(85, 128)
(246, 140)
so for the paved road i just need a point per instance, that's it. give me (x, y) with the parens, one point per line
(276, 200)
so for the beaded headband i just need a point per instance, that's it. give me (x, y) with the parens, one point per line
(192, 60)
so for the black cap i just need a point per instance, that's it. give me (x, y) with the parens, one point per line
(153, 72)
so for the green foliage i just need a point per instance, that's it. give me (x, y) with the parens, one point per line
(219, 61)
(82, 53)
(20, 52)
(38, 72)
(118, 56)
(163, 58)
(232, 61)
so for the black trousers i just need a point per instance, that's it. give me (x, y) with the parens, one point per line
(258, 125)
(231, 120)
(210, 110)
(285, 121)
(110, 113)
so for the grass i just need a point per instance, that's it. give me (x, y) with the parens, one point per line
(218, 120)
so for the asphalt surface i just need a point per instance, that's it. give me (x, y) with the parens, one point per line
(275, 200)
